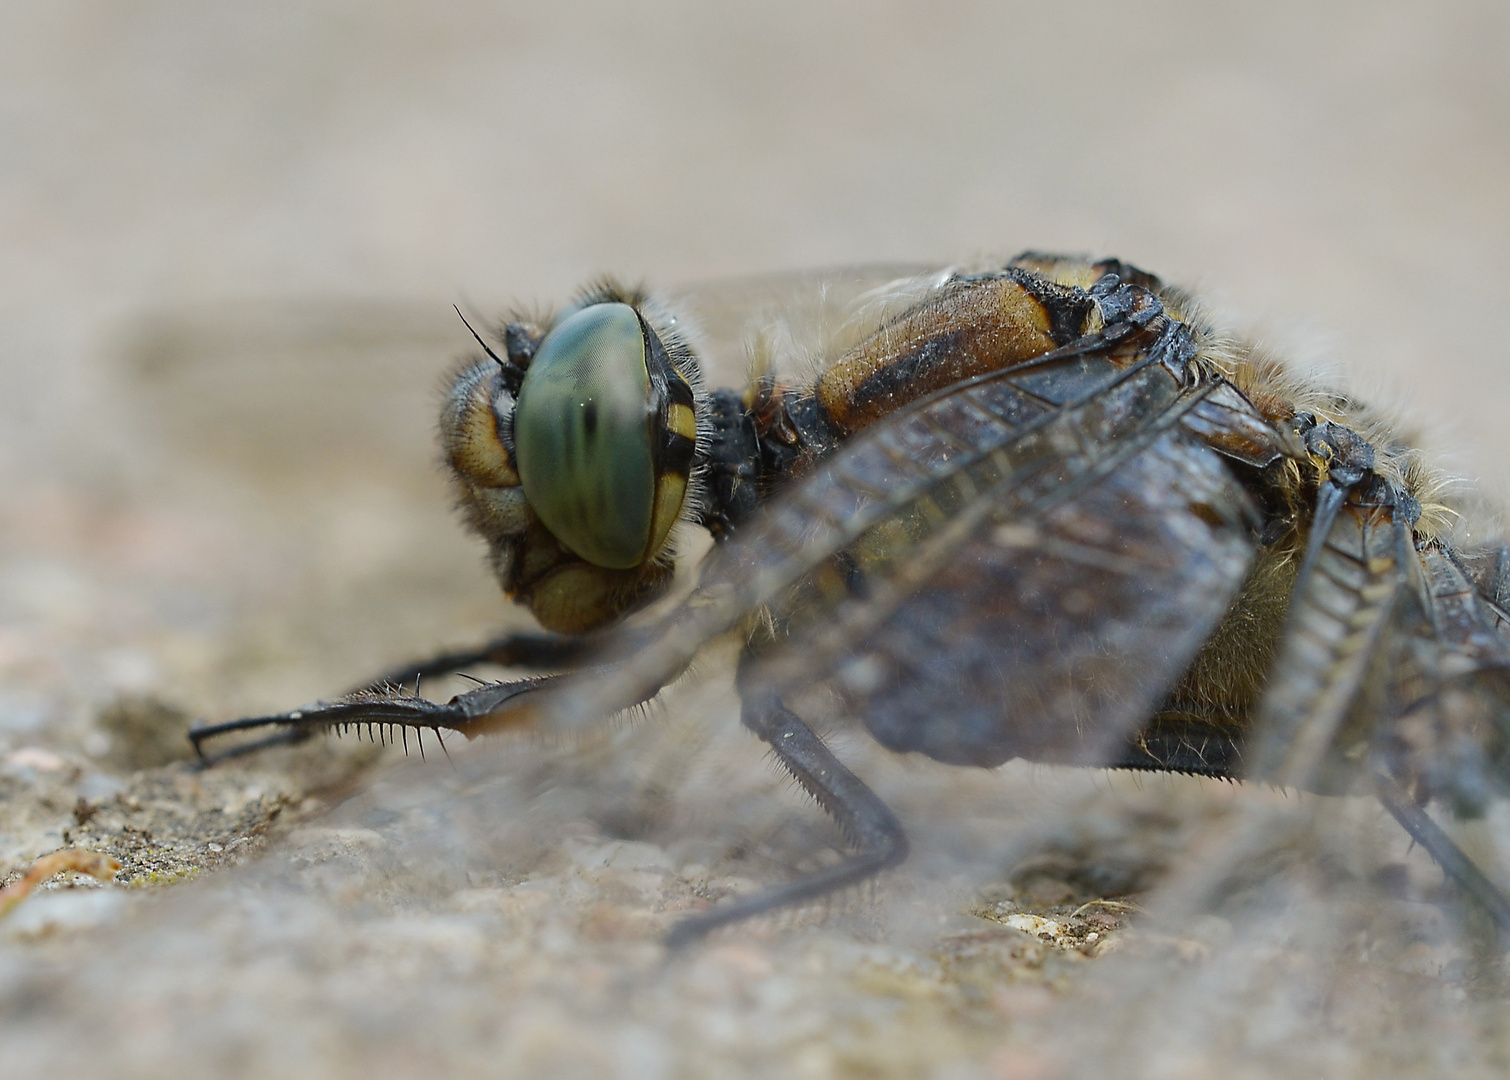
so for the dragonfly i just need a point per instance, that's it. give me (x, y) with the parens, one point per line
(1043, 509)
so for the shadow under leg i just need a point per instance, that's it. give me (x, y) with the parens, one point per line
(866, 820)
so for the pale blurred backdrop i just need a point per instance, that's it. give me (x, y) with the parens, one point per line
(1334, 163)
(231, 236)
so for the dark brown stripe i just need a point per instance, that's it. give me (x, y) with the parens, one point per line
(678, 390)
(1066, 305)
(676, 454)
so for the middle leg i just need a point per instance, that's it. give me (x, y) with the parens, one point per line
(867, 822)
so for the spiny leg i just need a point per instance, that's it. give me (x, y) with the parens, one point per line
(866, 820)
(1184, 737)
(375, 704)
(473, 713)
(507, 650)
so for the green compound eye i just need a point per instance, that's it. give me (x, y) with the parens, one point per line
(582, 436)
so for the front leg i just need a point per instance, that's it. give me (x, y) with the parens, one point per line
(488, 708)
(378, 705)
(509, 650)
(867, 822)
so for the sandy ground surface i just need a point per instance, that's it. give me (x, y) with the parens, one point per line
(231, 240)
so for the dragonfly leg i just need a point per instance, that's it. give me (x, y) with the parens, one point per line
(509, 650)
(868, 822)
(384, 716)
(1454, 862)
(376, 703)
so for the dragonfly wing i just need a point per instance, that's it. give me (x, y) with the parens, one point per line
(1048, 631)
(787, 320)
(1460, 744)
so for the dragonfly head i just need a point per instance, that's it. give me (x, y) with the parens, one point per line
(573, 455)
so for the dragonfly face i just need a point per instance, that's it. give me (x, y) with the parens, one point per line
(572, 454)
(1041, 510)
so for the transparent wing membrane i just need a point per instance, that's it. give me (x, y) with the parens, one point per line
(1047, 632)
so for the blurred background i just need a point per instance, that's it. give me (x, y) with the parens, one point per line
(231, 236)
